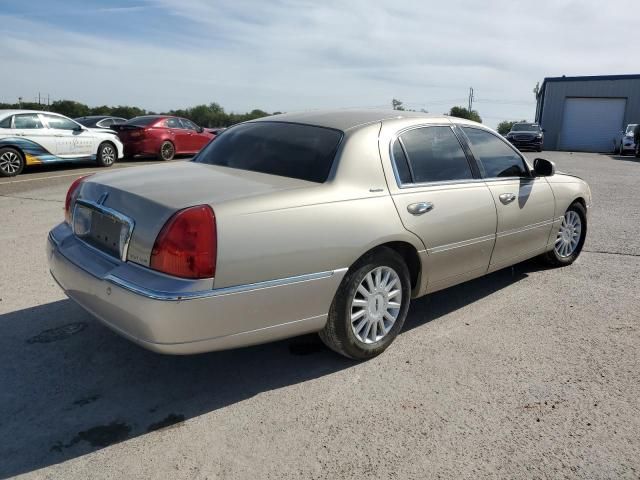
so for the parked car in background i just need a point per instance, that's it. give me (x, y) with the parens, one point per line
(162, 136)
(624, 143)
(324, 222)
(33, 137)
(527, 136)
(216, 130)
(101, 122)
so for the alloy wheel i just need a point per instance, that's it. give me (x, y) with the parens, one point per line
(108, 155)
(569, 234)
(167, 151)
(10, 162)
(376, 304)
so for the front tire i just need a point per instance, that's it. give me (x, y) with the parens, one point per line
(621, 150)
(167, 151)
(107, 154)
(370, 306)
(11, 162)
(570, 238)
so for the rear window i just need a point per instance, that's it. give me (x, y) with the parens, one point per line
(285, 149)
(142, 121)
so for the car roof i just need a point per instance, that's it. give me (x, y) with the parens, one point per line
(4, 113)
(345, 119)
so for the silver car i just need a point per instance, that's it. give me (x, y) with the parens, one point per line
(326, 222)
(624, 142)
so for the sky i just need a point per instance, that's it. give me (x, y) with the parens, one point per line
(286, 55)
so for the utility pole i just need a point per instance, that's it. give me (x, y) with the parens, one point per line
(470, 99)
(38, 98)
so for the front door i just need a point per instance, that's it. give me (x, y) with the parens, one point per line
(441, 198)
(525, 203)
(72, 140)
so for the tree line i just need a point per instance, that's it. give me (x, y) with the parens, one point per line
(212, 115)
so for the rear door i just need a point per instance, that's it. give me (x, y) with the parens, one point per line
(525, 203)
(441, 198)
(39, 141)
(179, 135)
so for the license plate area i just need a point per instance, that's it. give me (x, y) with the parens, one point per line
(103, 229)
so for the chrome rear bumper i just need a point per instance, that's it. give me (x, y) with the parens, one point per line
(186, 319)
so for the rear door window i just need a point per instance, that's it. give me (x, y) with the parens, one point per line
(496, 157)
(290, 150)
(27, 121)
(435, 155)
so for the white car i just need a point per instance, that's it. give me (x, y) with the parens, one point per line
(31, 137)
(624, 141)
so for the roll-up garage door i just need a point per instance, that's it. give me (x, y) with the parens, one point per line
(590, 124)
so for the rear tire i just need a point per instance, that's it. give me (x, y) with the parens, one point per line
(107, 154)
(11, 162)
(360, 323)
(167, 151)
(559, 257)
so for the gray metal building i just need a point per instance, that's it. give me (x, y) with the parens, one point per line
(587, 113)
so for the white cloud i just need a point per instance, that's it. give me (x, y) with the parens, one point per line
(287, 55)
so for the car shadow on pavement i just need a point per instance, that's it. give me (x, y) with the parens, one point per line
(69, 386)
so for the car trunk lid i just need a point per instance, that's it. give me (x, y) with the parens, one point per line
(147, 197)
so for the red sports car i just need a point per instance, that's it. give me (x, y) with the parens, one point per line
(162, 136)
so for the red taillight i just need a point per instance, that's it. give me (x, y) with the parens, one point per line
(72, 193)
(187, 244)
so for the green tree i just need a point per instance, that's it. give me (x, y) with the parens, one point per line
(462, 112)
(505, 126)
(70, 108)
(396, 104)
(127, 111)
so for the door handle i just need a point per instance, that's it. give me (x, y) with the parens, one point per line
(420, 208)
(507, 197)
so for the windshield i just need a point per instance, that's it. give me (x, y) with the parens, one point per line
(630, 128)
(525, 127)
(285, 149)
(143, 121)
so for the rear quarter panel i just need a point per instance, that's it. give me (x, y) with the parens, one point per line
(314, 229)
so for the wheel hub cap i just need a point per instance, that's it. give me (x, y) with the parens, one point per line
(568, 235)
(376, 305)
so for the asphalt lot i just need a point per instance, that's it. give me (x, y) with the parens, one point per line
(526, 373)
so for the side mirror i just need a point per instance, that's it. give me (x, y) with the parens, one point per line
(200, 129)
(544, 168)
(543, 130)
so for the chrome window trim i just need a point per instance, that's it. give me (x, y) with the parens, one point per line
(111, 213)
(402, 186)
